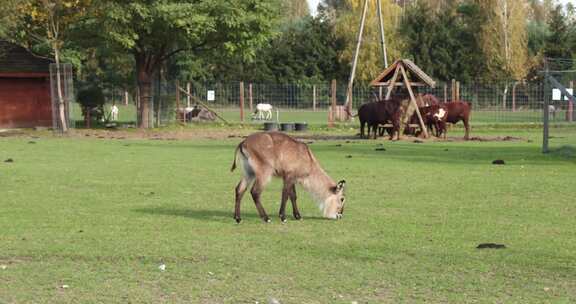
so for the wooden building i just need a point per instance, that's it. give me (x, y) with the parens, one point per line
(24, 88)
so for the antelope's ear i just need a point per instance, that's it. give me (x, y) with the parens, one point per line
(340, 185)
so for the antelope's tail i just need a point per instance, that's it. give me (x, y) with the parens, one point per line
(238, 149)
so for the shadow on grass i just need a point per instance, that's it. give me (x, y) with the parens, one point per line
(200, 214)
(208, 215)
(564, 151)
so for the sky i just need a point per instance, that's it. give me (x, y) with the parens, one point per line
(314, 4)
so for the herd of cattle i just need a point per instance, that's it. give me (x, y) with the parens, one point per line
(396, 112)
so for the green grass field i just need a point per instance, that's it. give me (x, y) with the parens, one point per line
(89, 220)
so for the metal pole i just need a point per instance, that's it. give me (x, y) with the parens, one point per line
(332, 109)
(382, 36)
(241, 100)
(356, 53)
(546, 114)
(314, 98)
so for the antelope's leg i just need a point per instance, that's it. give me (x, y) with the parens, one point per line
(256, 191)
(285, 194)
(240, 190)
(295, 210)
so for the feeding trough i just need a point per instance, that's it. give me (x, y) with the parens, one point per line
(301, 126)
(287, 127)
(270, 126)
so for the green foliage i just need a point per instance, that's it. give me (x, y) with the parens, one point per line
(537, 36)
(91, 98)
(303, 52)
(370, 59)
(558, 44)
(449, 47)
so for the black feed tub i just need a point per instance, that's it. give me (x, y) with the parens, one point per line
(270, 126)
(287, 127)
(301, 126)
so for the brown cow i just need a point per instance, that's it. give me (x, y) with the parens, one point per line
(452, 112)
(268, 154)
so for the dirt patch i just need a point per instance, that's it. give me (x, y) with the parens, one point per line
(170, 135)
(222, 133)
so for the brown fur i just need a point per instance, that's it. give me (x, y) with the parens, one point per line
(268, 154)
(458, 111)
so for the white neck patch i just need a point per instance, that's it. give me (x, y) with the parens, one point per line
(441, 113)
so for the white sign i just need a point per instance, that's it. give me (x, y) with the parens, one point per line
(211, 96)
(556, 94)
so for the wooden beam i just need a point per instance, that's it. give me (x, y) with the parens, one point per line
(178, 104)
(203, 104)
(333, 104)
(392, 82)
(382, 36)
(398, 84)
(413, 100)
(355, 62)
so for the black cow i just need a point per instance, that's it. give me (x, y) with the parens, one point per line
(380, 112)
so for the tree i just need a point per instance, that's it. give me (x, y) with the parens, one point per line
(154, 31)
(557, 44)
(449, 46)
(295, 9)
(504, 38)
(370, 62)
(46, 23)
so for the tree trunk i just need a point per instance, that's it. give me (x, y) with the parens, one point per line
(144, 78)
(61, 106)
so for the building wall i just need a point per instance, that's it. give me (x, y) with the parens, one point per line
(25, 102)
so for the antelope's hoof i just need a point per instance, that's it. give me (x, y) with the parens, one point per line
(267, 220)
(238, 220)
(297, 216)
(283, 218)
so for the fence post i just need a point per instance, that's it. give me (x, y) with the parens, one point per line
(505, 95)
(570, 110)
(333, 104)
(125, 97)
(241, 100)
(514, 96)
(453, 90)
(314, 98)
(250, 97)
(178, 103)
(189, 91)
(457, 90)
(445, 92)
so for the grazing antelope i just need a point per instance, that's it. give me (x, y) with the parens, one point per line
(263, 112)
(268, 154)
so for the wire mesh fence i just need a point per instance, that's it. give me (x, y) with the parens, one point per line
(506, 102)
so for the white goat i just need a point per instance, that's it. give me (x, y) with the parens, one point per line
(114, 112)
(263, 111)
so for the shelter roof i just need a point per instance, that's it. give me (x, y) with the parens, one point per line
(416, 75)
(16, 59)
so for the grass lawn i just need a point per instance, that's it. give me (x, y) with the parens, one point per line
(88, 220)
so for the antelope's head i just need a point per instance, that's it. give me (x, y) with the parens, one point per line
(334, 203)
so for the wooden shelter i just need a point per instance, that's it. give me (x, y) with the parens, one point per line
(24, 88)
(404, 73)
